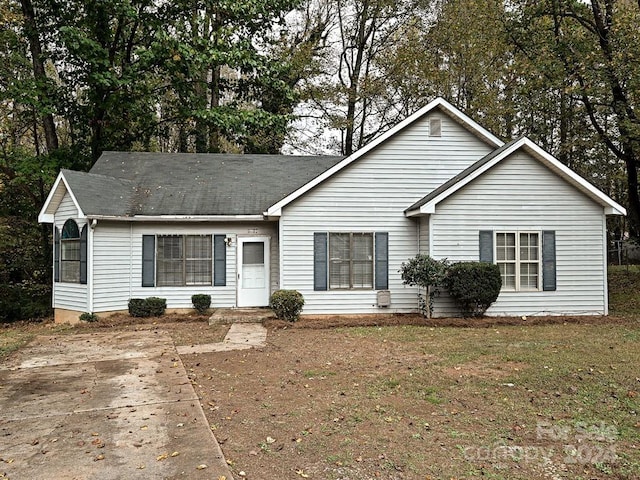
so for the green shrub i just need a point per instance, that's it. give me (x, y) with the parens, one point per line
(147, 307)
(156, 306)
(138, 307)
(474, 286)
(425, 272)
(287, 304)
(24, 301)
(201, 302)
(88, 317)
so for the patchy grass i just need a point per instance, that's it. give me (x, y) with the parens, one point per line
(624, 285)
(13, 337)
(415, 402)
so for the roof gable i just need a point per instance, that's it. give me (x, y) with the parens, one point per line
(439, 104)
(56, 195)
(427, 204)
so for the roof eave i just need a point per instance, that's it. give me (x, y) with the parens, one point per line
(181, 218)
(615, 211)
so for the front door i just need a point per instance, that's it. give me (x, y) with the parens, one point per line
(253, 272)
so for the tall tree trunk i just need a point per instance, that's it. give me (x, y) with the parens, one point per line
(354, 68)
(627, 122)
(200, 29)
(31, 31)
(214, 91)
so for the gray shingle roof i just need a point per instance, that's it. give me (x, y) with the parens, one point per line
(461, 176)
(100, 194)
(137, 183)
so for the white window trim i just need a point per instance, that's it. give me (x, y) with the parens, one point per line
(517, 260)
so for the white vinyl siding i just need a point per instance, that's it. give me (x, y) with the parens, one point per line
(111, 266)
(370, 196)
(118, 262)
(522, 195)
(67, 295)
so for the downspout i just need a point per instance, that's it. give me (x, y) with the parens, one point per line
(605, 264)
(430, 252)
(130, 259)
(53, 264)
(92, 226)
(280, 256)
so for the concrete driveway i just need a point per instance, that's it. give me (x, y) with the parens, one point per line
(103, 406)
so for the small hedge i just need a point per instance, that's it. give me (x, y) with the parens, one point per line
(474, 286)
(201, 302)
(88, 317)
(287, 304)
(147, 307)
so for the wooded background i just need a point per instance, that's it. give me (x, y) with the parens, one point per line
(78, 77)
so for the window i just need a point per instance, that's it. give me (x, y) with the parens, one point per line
(350, 260)
(70, 252)
(183, 260)
(518, 256)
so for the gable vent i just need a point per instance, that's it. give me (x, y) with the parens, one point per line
(435, 127)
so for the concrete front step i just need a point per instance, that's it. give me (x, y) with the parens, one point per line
(222, 316)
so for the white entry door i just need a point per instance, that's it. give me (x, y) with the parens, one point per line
(253, 272)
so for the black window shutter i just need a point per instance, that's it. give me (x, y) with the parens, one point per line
(83, 255)
(219, 261)
(320, 261)
(548, 260)
(56, 254)
(382, 260)
(148, 260)
(486, 246)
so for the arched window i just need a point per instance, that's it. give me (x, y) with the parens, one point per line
(70, 252)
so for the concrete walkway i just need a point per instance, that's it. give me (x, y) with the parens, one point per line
(103, 406)
(241, 336)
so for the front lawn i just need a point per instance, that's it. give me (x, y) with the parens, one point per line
(416, 402)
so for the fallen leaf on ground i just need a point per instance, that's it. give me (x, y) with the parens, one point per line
(202, 466)
(302, 474)
(164, 456)
(99, 457)
(175, 454)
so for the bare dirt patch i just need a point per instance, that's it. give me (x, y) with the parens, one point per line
(183, 329)
(490, 367)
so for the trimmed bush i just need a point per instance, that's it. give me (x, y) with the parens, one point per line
(425, 272)
(138, 307)
(156, 306)
(147, 307)
(287, 304)
(201, 302)
(88, 317)
(474, 286)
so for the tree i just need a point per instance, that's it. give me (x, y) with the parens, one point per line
(348, 95)
(595, 47)
(424, 272)
(227, 91)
